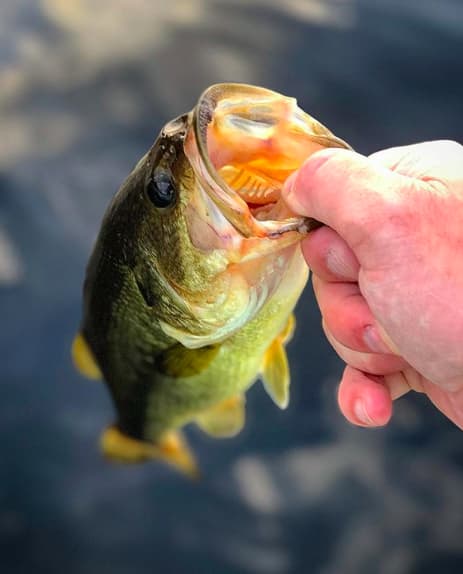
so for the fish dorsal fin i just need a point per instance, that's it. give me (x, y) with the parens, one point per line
(83, 358)
(225, 419)
(179, 361)
(171, 449)
(275, 368)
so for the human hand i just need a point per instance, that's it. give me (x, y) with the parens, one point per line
(388, 272)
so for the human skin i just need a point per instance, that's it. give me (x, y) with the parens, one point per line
(388, 272)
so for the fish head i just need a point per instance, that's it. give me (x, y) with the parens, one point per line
(221, 240)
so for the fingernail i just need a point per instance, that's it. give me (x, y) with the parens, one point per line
(338, 265)
(361, 413)
(289, 195)
(373, 340)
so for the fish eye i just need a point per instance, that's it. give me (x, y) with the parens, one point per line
(160, 189)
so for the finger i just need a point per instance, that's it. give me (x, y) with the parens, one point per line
(441, 158)
(409, 379)
(394, 158)
(348, 192)
(348, 317)
(372, 363)
(449, 402)
(329, 256)
(402, 382)
(364, 399)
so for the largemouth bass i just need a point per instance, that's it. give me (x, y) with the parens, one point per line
(190, 289)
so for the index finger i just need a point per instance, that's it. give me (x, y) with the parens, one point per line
(346, 191)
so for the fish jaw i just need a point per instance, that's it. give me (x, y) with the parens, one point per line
(243, 144)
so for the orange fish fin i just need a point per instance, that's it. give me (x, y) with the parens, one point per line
(225, 419)
(172, 449)
(83, 358)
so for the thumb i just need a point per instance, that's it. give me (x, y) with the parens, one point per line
(348, 192)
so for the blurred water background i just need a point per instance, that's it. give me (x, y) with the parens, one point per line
(84, 88)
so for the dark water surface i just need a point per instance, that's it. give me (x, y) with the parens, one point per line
(84, 88)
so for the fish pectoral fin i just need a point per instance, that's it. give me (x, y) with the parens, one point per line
(178, 361)
(171, 449)
(287, 334)
(275, 373)
(225, 419)
(275, 368)
(83, 358)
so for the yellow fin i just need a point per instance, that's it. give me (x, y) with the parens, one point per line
(83, 358)
(172, 449)
(275, 374)
(275, 368)
(225, 419)
(287, 334)
(178, 361)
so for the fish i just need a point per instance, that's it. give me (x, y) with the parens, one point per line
(190, 290)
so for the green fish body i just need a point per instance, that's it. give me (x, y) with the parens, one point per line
(190, 290)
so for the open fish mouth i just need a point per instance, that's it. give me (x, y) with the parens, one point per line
(244, 142)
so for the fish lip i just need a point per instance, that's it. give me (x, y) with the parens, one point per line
(234, 208)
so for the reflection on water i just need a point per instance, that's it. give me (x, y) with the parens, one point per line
(84, 88)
